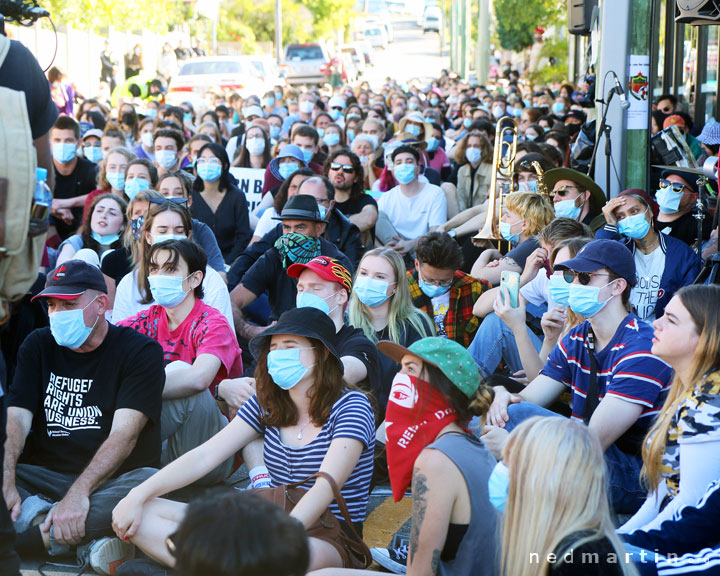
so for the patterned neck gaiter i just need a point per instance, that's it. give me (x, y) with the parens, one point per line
(297, 248)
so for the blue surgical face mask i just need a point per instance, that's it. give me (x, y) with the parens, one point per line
(167, 291)
(498, 112)
(268, 102)
(287, 168)
(135, 186)
(567, 209)
(412, 129)
(64, 152)
(371, 291)
(350, 135)
(166, 158)
(332, 138)
(499, 486)
(635, 226)
(285, 368)
(467, 122)
(320, 131)
(255, 145)
(150, 113)
(274, 132)
(187, 117)
(106, 240)
(404, 173)
(473, 155)
(507, 234)
(116, 180)
(559, 289)
(434, 101)
(528, 186)
(93, 153)
(558, 108)
(517, 112)
(68, 327)
(157, 238)
(412, 105)
(307, 155)
(278, 96)
(584, 299)
(668, 200)
(323, 211)
(209, 172)
(374, 138)
(432, 144)
(432, 290)
(309, 300)
(335, 114)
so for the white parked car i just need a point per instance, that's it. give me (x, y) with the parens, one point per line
(267, 70)
(226, 74)
(432, 19)
(377, 36)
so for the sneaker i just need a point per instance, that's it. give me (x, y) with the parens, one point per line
(394, 557)
(106, 554)
(141, 567)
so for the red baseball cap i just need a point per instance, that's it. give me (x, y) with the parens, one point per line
(674, 120)
(328, 269)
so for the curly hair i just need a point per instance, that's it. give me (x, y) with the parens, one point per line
(358, 187)
(485, 148)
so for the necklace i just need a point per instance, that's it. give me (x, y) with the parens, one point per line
(300, 434)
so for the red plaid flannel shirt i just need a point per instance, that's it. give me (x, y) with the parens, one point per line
(460, 324)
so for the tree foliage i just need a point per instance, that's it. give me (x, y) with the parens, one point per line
(553, 62)
(244, 19)
(517, 20)
(133, 15)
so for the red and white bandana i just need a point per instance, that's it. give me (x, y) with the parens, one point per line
(416, 413)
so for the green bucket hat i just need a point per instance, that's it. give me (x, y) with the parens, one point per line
(451, 358)
(597, 196)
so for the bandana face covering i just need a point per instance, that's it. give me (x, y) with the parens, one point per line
(416, 413)
(297, 248)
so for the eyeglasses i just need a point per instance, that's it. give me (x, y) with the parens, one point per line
(207, 161)
(180, 201)
(562, 191)
(665, 110)
(584, 277)
(676, 186)
(347, 168)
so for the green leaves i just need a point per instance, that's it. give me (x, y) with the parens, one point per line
(517, 20)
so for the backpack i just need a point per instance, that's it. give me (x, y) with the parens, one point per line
(20, 254)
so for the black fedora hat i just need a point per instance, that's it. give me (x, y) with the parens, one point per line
(301, 207)
(307, 322)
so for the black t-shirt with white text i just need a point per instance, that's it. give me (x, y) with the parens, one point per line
(79, 182)
(73, 397)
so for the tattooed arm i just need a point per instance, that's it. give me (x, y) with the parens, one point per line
(435, 486)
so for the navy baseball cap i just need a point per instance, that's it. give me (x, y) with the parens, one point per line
(597, 254)
(70, 280)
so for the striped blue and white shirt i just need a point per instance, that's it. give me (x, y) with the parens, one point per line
(351, 417)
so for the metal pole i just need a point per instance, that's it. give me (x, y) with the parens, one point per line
(214, 36)
(483, 42)
(278, 31)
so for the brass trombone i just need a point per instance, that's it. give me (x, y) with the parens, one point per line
(501, 183)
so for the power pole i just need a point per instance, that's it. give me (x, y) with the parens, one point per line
(278, 31)
(483, 42)
(636, 171)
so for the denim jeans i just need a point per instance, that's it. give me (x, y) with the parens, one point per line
(623, 470)
(494, 341)
(52, 486)
(9, 560)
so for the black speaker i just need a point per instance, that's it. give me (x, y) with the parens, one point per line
(580, 15)
(697, 12)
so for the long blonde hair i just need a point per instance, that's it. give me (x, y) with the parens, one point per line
(701, 303)
(401, 309)
(557, 488)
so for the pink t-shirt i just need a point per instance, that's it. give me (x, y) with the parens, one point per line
(204, 331)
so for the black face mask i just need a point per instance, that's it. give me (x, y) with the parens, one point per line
(572, 129)
(129, 118)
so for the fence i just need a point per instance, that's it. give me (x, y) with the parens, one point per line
(78, 52)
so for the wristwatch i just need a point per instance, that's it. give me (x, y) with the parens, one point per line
(217, 393)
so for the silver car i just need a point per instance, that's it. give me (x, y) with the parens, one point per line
(306, 63)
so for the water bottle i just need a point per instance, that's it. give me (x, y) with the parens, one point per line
(42, 200)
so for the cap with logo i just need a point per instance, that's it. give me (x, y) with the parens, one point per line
(328, 269)
(598, 254)
(71, 279)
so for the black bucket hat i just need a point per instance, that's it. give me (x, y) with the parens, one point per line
(301, 207)
(307, 322)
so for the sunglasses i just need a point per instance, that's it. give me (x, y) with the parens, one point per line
(665, 110)
(583, 277)
(347, 168)
(162, 201)
(562, 191)
(676, 186)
